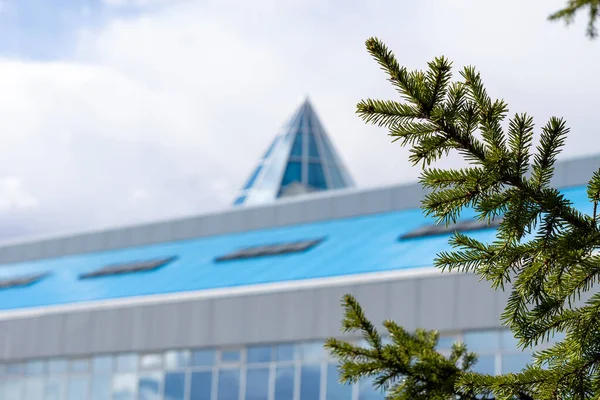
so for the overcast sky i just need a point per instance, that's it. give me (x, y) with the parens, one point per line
(119, 111)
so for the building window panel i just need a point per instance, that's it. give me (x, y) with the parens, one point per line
(150, 386)
(482, 341)
(101, 387)
(58, 366)
(514, 363)
(201, 387)
(124, 387)
(78, 387)
(204, 358)
(259, 354)
(366, 390)
(150, 361)
(55, 389)
(13, 388)
(229, 384)
(102, 364)
(311, 351)
(231, 356)
(485, 365)
(285, 352)
(35, 367)
(335, 389)
(310, 382)
(177, 359)
(257, 384)
(175, 385)
(79, 365)
(284, 382)
(126, 362)
(34, 389)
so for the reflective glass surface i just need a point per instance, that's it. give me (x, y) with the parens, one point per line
(313, 150)
(310, 382)
(201, 386)
(150, 386)
(293, 173)
(257, 384)
(259, 354)
(316, 177)
(297, 146)
(175, 385)
(284, 383)
(278, 371)
(335, 390)
(252, 178)
(229, 384)
(78, 387)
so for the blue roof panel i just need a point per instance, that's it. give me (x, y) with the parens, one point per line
(352, 246)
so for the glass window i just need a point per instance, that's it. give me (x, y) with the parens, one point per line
(311, 351)
(177, 359)
(149, 386)
(297, 146)
(270, 149)
(101, 387)
(514, 363)
(259, 354)
(293, 173)
(55, 389)
(126, 362)
(336, 177)
(124, 386)
(366, 390)
(175, 385)
(485, 365)
(78, 387)
(284, 383)
(313, 151)
(151, 361)
(230, 356)
(204, 358)
(57, 366)
(316, 177)
(310, 382)
(102, 364)
(285, 352)
(13, 388)
(229, 384)
(34, 389)
(446, 342)
(509, 342)
(482, 341)
(336, 390)
(34, 368)
(252, 178)
(14, 369)
(201, 385)
(81, 365)
(257, 384)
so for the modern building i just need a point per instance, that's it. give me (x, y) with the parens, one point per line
(236, 305)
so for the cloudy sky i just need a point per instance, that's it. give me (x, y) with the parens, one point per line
(120, 111)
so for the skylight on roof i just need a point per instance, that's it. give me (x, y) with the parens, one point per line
(463, 226)
(128, 268)
(21, 281)
(271, 250)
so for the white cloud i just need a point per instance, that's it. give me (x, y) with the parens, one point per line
(14, 196)
(181, 102)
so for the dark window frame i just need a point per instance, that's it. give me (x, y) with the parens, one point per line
(441, 230)
(275, 249)
(22, 281)
(129, 267)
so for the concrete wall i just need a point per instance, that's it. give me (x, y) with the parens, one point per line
(446, 302)
(305, 209)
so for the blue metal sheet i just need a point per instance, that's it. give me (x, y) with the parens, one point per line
(352, 246)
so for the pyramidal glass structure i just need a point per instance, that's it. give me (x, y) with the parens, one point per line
(300, 160)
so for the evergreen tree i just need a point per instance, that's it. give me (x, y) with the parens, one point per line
(573, 7)
(544, 251)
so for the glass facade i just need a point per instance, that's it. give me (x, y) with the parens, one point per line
(285, 371)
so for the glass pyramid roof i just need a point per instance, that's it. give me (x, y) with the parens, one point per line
(300, 160)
